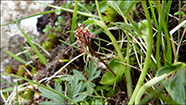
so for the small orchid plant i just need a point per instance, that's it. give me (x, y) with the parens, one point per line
(83, 36)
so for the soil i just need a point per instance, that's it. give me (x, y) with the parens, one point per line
(63, 51)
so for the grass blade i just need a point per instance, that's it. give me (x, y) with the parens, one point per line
(147, 60)
(74, 19)
(42, 13)
(101, 49)
(41, 57)
(71, 11)
(16, 57)
(73, 44)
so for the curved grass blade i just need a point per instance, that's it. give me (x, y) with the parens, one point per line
(42, 13)
(41, 57)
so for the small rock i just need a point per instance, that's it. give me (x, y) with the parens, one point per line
(29, 25)
(6, 61)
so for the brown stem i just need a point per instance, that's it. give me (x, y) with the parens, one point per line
(91, 49)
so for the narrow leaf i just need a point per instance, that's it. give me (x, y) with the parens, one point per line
(16, 57)
(41, 57)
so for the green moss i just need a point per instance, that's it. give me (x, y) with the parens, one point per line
(47, 45)
(27, 94)
(9, 69)
(33, 71)
(20, 70)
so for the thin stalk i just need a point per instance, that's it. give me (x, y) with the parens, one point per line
(74, 19)
(179, 44)
(73, 44)
(101, 49)
(158, 36)
(169, 49)
(163, 17)
(103, 25)
(119, 35)
(179, 23)
(91, 49)
(179, 19)
(42, 13)
(99, 12)
(127, 73)
(95, 92)
(84, 7)
(116, 46)
(98, 31)
(158, 46)
(71, 11)
(7, 82)
(167, 10)
(147, 60)
(41, 57)
(172, 40)
(17, 95)
(26, 53)
(7, 90)
(18, 58)
(153, 14)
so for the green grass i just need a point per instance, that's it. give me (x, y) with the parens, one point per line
(74, 18)
(133, 50)
(41, 57)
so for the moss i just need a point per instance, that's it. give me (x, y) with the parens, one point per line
(9, 69)
(21, 71)
(47, 45)
(110, 14)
